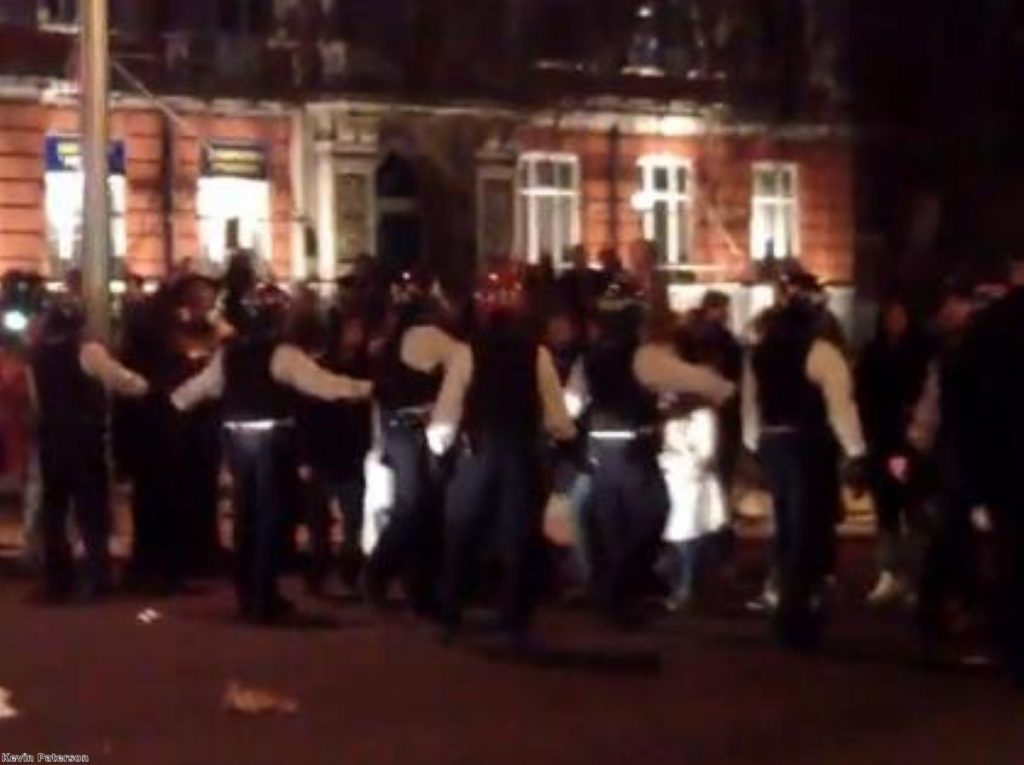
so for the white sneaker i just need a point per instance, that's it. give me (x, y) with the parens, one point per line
(766, 602)
(889, 590)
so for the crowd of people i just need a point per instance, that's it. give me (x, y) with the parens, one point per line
(540, 432)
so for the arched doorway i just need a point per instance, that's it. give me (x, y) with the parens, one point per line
(399, 229)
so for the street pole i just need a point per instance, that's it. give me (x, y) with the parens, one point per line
(95, 76)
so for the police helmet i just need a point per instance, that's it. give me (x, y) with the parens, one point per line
(263, 311)
(499, 290)
(63, 318)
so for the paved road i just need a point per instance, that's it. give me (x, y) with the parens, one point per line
(379, 689)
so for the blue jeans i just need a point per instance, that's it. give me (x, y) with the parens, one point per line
(260, 461)
(802, 474)
(630, 504)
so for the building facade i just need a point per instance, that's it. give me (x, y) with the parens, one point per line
(716, 198)
(282, 128)
(178, 188)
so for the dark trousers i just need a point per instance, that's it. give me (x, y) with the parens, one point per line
(348, 492)
(1008, 597)
(159, 535)
(260, 461)
(948, 567)
(407, 547)
(629, 502)
(199, 456)
(495, 489)
(74, 473)
(802, 475)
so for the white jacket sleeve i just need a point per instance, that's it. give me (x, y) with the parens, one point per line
(660, 370)
(98, 364)
(557, 420)
(926, 418)
(577, 390)
(702, 435)
(291, 367)
(206, 385)
(447, 416)
(827, 368)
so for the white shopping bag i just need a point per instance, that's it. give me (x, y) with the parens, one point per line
(378, 500)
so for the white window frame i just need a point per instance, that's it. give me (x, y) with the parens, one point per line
(365, 167)
(527, 195)
(679, 201)
(65, 26)
(777, 204)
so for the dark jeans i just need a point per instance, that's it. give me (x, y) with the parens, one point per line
(260, 461)
(74, 473)
(629, 501)
(497, 489)
(948, 567)
(686, 563)
(1008, 598)
(199, 456)
(802, 475)
(408, 546)
(159, 537)
(348, 492)
(892, 500)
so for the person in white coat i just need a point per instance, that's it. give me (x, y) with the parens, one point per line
(697, 506)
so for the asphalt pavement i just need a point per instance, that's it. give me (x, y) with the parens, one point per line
(143, 682)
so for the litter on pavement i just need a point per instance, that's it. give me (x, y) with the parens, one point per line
(256, 701)
(148, 616)
(6, 710)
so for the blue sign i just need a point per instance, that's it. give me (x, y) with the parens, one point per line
(64, 155)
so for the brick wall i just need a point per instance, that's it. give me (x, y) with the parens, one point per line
(23, 130)
(722, 199)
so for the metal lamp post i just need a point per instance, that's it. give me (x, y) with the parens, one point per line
(95, 76)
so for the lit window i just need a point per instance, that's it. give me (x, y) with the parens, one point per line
(233, 213)
(64, 189)
(549, 205)
(664, 203)
(774, 224)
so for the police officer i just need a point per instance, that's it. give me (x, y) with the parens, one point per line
(501, 393)
(252, 374)
(410, 369)
(944, 440)
(625, 376)
(71, 379)
(798, 402)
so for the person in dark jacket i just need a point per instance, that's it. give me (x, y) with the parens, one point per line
(71, 378)
(255, 375)
(943, 434)
(799, 415)
(502, 393)
(889, 378)
(999, 446)
(409, 370)
(334, 438)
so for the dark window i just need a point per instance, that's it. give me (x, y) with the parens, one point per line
(58, 11)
